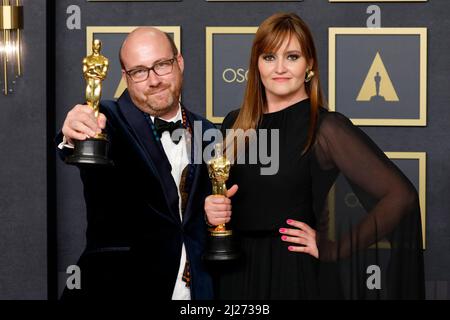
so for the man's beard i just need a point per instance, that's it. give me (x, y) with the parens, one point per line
(157, 107)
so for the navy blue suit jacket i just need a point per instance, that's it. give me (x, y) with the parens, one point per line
(134, 233)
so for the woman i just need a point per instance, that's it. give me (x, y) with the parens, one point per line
(293, 246)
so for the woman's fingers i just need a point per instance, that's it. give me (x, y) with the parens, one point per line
(220, 214)
(311, 250)
(231, 192)
(294, 232)
(217, 221)
(217, 203)
(218, 207)
(219, 199)
(296, 240)
(301, 225)
(308, 250)
(302, 235)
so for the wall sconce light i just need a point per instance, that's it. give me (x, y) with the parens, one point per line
(11, 24)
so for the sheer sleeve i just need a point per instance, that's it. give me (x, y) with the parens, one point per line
(373, 251)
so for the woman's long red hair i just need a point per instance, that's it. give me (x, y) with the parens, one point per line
(269, 38)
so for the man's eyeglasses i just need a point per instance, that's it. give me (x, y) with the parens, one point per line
(160, 69)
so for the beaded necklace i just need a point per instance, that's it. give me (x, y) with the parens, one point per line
(185, 124)
(186, 186)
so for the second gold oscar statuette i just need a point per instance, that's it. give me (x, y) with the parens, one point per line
(221, 245)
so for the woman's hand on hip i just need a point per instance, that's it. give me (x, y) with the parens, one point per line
(302, 236)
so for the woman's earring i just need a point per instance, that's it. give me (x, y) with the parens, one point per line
(309, 75)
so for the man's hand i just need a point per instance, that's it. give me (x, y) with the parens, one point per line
(218, 208)
(81, 123)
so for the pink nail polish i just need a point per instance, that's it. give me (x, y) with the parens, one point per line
(283, 238)
(282, 230)
(290, 248)
(289, 221)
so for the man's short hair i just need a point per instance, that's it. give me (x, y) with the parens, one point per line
(169, 38)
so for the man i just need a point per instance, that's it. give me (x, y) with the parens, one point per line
(146, 228)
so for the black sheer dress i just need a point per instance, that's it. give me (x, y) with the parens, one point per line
(387, 236)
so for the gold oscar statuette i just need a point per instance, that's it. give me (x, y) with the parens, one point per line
(221, 245)
(93, 151)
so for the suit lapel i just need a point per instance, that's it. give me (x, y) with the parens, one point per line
(196, 167)
(156, 156)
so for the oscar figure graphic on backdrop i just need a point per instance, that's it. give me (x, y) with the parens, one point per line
(377, 96)
(221, 245)
(93, 151)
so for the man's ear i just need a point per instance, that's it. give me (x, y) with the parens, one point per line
(180, 61)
